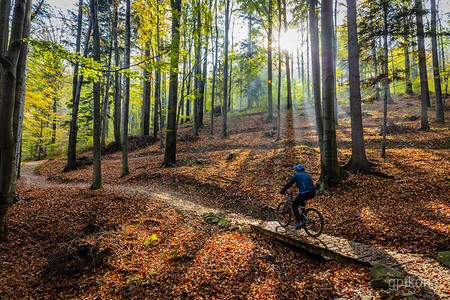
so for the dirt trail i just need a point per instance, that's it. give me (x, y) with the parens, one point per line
(422, 270)
(183, 202)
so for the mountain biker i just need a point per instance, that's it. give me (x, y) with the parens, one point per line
(307, 190)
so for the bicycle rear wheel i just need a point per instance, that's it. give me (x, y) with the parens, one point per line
(284, 213)
(314, 222)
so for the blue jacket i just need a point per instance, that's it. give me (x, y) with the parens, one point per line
(304, 183)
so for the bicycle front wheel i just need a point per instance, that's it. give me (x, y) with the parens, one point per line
(314, 222)
(284, 213)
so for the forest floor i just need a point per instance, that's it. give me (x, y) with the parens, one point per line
(118, 243)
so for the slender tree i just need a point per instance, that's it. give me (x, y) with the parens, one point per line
(386, 79)
(97, 168)
(269, 64)
(375, 67)
(157, 77)
(117, 79)
(126, 94)
(106, 100)
(216, 51)
(171, 136)
(436, 73)
(408, 87)
(424, 95)
(315, 57)
(198, 68)
(225, 71)
(77, 80)
(286, 58)
(146, 95)
(279, 74)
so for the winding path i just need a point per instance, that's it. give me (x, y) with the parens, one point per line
(421, 271)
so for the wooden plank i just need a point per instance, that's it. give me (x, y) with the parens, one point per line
(320, 250)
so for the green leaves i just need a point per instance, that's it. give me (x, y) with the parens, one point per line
(151, 239)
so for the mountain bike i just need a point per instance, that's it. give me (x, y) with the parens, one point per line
(313, 221)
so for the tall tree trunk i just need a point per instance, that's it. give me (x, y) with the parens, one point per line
(76, 87)
(335, 41)
(250, 56)
(386, 81)
(269, 64)
(414, 62)
(279, 74)
(117, 80)
(126, 94)
(387, 88)
(20, 94)
(307, 68)
(286, 58)
(375, 66)
(203, 86)
(443, 62)
(9, 79)
(358, 162)
(106, 101)
(331, 172)
(437, 77)
(213, 92)
(188, 84)
(5, 8)
(97, 132)
(230, 75)
(422, 66)
(146, 96)
(408, 87)
(315, 57)
(157, 80)
(171, 136)
(198, 70)
(161, 113)
(225, 72)
(54, 112)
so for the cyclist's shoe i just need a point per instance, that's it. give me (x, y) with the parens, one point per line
(299, 225)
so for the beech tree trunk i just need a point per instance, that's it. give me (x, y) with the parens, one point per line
(386, 83)
(358, 162)
(422, 66)
(106, 101)
(225, 72)
(117, 80)
(198, 70)
(9, 78)
(307, 68)
(269, 64)
(97, 132)
(126, 94)
(171, 136)
(408, 84)
(279, 74)
(146, 97)
(314, 35)
(213, 92)
(76, 91)
(286, 58)
(436, 73)
(375, 66)
(331, 173)
(157, 80)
